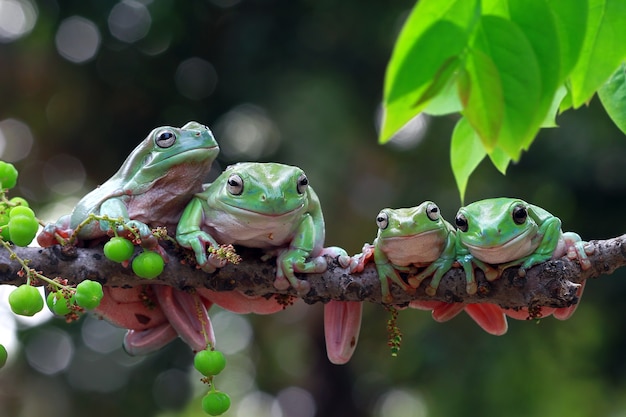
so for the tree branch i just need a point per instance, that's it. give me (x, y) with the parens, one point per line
(552, 283)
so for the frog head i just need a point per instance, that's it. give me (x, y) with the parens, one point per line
(187, 151)
(412, 235)
(254, 190)
(498, 230)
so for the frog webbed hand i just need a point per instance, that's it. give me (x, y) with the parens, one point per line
(198, 241)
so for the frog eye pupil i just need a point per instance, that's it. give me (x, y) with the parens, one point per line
(303, 183)
(165, 139)
(234, 185)
(432, 211)
(520, 214)
(382, 220)
(461, 222)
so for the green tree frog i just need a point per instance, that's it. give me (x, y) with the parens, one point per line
(416, 236)
(509, 232)
(272, 207)
(150, 189)
(152, 186)
(419, 236)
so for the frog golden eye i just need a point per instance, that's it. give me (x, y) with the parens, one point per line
(165, 139)
(234, 185)
(461, 222)
(303, 184)
(432, 211)
(520, 214)
(382, 220)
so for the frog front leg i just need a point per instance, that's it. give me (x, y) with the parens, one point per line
(190, 235)
(389, 272)
(115, 208)
(294, 259)
(550, 234)
(437, 269)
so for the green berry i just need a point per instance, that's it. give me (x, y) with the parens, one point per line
(209, 362)
(3, 355)
(21, 211)
(25, 300)
(4, 232)
(19, 201)
(89, 294)
(119, 249)
(148, 265)
(58, 304)
(215, 403)
(22, 228)
(8, 175)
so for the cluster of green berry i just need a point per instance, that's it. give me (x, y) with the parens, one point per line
(210, 362)
(17, 221)
(19, 225)
(62, 300)
(148, 264)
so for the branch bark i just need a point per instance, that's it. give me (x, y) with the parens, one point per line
(552, 283)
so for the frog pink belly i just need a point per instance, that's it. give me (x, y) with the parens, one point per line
(416, 249)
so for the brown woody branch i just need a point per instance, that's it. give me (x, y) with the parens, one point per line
(552, 283)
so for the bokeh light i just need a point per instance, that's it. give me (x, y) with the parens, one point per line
(16, 140)
(172, 389)
(101, 336)
(196, 78)
(64, 174)
(400, 403)
(49, 351)
(17, 18)
(234, 330)
(129, 21)
(296, 402)
(247, 133)
(77, 39)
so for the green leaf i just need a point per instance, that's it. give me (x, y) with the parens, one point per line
(424, 58)
(447, 101)
(431, 60)
(536, 21)
(604, 48)
(500, 160)
(557, 101)
(613, 97)
(480, 90)
(519, 79)
(466, 152)
(571, 19)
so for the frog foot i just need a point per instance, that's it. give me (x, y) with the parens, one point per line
(576, 248)
(143, 342)
(240, 303)
(342, 324)
(338, 254)
(290, 261)
(53, 234)
(358, 261)
(187, 314)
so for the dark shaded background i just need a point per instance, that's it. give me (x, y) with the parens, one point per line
(297, 82)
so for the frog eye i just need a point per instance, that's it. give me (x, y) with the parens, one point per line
(234, 185)
(520, 214)
(461, 222)
(382, 220)
(303, 184)
(165, 139)
(432, 211)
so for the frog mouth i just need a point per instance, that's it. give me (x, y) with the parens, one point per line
(511, 250)
(266, 213)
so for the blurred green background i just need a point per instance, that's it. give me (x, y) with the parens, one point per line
(82, 82)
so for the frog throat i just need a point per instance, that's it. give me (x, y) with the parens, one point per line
(515, 248)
